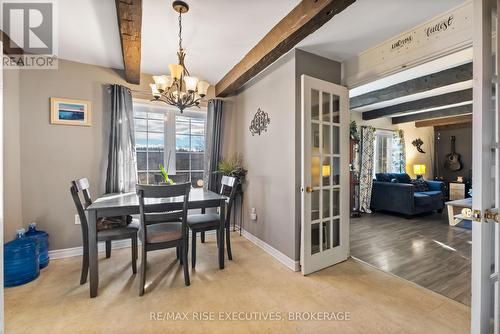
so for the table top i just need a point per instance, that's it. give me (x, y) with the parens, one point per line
(466, 202)
(110, 201)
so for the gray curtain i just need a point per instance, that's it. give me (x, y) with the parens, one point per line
(398, 152)
(121, 175)
(213, 143)
(366, 170)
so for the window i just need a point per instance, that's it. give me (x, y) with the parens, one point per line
(383, 152)
(177, 141)
(189, 149)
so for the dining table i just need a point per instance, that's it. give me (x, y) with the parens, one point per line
(123, 204)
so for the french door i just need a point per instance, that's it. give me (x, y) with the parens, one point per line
(325, 174)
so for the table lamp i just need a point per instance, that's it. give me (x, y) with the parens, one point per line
(419, 170)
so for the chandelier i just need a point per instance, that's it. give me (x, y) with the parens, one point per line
(179, 89)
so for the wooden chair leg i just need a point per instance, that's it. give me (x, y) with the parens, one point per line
(108, 249)
(228, 243)
(143, 272)
(85, 265)
(193, 250)
(134, 254)
(202, 237)
(185, 261)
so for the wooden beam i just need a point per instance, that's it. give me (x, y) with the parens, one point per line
(432, 81)
(445, 121)
(129, 14)
(303, 20)
(9, 47)
(426, 103)
(453, 111)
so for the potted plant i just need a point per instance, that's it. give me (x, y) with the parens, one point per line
(167, 180)
(233, 167)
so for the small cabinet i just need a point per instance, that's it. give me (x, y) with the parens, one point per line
(457, 191)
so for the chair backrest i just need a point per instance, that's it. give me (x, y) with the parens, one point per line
(77, 186)
(229, 186)
(162, 213)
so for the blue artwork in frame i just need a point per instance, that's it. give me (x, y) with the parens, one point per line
(70, 112)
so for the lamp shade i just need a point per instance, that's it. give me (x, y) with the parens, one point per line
(419, 169)
(154, 90)
(162, 82)
(326, 170)
(175, 71)
(203, 88)
(191, 83)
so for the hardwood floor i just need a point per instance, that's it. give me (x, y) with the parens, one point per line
(253, 282)
(424, 250)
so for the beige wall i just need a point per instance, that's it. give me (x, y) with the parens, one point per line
(270, 157)
(273, 159)
(42, 159)
(411, 133)
(414, 157)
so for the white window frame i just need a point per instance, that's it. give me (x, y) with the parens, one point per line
(389, 135)
(170, 113)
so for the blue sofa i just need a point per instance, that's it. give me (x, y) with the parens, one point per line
(396, 193)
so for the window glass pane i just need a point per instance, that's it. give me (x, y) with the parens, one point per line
(140, 125)
(140, 114)
(315, 104)
(197, 126)
(182, 161)
(196, 161)
(142, 161)
(180, 177)
(155, 158)
(314, 238)
(141, 141)
(182, 143)
(143, 177)
(155, 141)
(182, 119)
(197, 143)
(156, 115)
(155, 126)
(182, 127)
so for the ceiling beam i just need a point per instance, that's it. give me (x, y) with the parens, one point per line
(129, 14)
(453, 111)
(445, 121)
(423, 84)
(303, 20)
(9, 47)
(422, 104)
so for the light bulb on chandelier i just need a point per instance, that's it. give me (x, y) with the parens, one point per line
(179, 89)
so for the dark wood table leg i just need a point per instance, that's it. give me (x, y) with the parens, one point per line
(222, 227)
(93, 260)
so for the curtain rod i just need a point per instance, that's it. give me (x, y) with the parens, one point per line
(393, 130)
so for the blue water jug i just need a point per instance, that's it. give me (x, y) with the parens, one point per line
(21, 260)
(43, 243)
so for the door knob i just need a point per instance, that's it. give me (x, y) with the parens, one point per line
(309, 189)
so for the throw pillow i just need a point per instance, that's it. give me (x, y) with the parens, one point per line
(420, 185)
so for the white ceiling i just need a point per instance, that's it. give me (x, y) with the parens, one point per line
(218, 33)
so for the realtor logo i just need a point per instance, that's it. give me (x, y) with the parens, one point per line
(29, 32)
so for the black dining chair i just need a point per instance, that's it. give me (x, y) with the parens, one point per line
(162, 227)
(204, 222)
(108, 229)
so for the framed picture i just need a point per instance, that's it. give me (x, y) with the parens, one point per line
(70, 112)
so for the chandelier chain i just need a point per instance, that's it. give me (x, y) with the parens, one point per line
(180, 30)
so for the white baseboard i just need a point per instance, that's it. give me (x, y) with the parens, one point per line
(282, 258)
(118, 244)
(78, 251)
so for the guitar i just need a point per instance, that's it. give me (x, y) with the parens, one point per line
(453, 162)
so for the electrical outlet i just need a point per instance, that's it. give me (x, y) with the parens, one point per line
(77, 220)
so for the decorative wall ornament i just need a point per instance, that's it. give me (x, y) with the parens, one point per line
(418, 144)
(259, 123)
